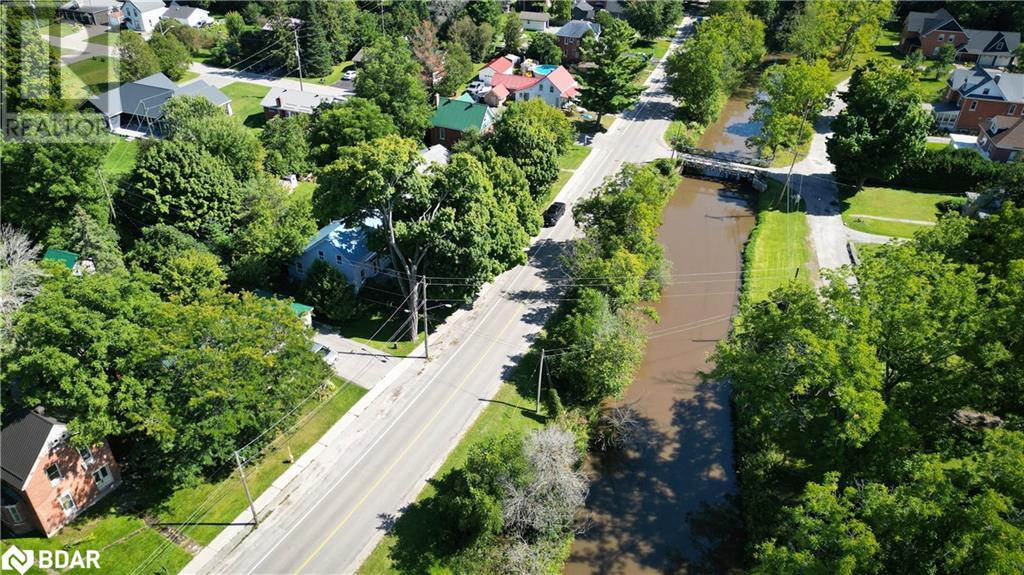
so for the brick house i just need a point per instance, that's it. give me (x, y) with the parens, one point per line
(46, 482)
(455, 116)
(1002, 138)
(570, 38)
(977, 95)
(929, 31)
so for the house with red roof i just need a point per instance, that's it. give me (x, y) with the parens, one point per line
(556, 88)
(503, 65)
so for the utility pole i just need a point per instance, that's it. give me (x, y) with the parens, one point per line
(298, 55)
(540, 374)
(426, 326)
(241, 475)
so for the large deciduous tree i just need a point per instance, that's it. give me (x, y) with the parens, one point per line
(173, 56)
(391, 78)
(544, 48)
(286, 141)
(653, 18)
(197, 120)
(452, 226)
(790, 98)
(458, 67)
(883, 127)
(338, 126)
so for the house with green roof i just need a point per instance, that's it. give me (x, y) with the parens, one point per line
(455, 116)
(71, 260)
(302, 311)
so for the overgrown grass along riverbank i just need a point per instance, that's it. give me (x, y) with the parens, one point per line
(777, 252)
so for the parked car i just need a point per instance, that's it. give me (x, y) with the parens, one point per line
(350, 75)
(553, 214)
(476, 86)
(325, 352)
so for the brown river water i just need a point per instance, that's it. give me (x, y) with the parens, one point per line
(644, 503)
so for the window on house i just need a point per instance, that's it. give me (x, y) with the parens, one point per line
(338, 258)
(974, 105)
(67, 503)
(942, 37)
(1012, 110)
(86, 454)
(14, 514)
(320, 254)
(53, 472)
(440, 134)
(102, 477)
(985, 91)
(551, 88)
(298, 266)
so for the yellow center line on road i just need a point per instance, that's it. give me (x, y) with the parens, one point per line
(415, 439)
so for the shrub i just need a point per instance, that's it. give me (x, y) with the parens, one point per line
(328, 291)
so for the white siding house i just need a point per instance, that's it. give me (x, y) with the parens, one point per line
(143, 15)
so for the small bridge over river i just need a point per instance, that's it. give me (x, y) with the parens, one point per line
(724, 166)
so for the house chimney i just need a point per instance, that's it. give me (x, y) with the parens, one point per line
(996, 78)
(279, 104)
(437, 99)
(40, 410)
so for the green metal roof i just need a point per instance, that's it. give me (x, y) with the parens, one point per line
(459, 115)
(298, 308)
(69, 258)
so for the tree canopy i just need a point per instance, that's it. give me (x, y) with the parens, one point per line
(391, 79)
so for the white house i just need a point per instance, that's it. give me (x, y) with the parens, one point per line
(500, 65)
(556, 88)
(143, 15)
(187, 15)
(535, 21)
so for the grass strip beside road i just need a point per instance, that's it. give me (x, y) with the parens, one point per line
(125, 541)
(105, 39)
(509, 411)
(318, 418)
(777, 252)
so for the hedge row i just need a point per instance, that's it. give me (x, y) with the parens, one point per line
(957, 171)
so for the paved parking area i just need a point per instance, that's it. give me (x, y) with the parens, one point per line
(358, 363)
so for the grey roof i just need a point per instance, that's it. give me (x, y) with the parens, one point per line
(146, 97)
(436, 154)
(147, 5)
(991, 41)
(91, 6)
(535, 16)
(294, 100)
(577, 28)
(177, 11)
(21, 442)
(1001, 86)
(924, 22)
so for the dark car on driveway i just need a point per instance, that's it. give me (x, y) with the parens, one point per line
(554, 213)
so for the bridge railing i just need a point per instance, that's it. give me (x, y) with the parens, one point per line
(724, 156)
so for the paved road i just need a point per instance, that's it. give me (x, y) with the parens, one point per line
(220, 77)
(329, 517)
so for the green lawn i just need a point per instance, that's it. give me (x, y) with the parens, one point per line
(574, 157)
(229, 497)
(336, 71)
(785, 156)
(105, 39)
(927, 86)
(189, 75)
(777, 252)
(511, 410)
(98, 73)
(61, 29)
(124, 542)
(121, 157)
(245, 102)
(386, 337)
(935, 146)
(891, 203)
(203, 56)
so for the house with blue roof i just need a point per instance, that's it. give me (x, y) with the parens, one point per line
(346, 249)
